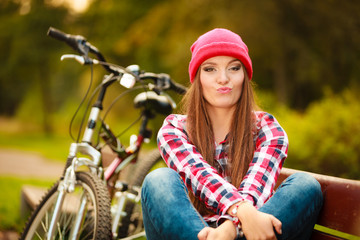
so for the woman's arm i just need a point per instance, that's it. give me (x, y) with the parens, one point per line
(271, 146)
(225, 231)
(270, 153)
(218, 194)
(200, 177)
(256, 224)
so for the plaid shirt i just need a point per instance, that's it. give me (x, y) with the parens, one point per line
(211, 184)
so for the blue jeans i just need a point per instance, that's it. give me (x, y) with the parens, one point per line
(169, 214)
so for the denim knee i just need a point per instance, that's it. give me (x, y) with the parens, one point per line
(159, 180)
(159, 175)
(308, 184)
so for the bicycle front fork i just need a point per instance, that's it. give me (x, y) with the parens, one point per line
(118, 210)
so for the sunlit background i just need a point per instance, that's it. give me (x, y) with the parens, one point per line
(306, 59)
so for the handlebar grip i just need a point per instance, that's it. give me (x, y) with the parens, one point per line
(178, 88)
(57, 34)
(74, 41)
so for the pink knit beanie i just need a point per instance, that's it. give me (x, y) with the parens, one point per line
(218, 42)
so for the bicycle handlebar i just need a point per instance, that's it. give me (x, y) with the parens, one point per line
(178, 88)
(77, 42)
(80, 44)
(163, 81)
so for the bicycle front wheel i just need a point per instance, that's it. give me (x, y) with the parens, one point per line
(90, 196)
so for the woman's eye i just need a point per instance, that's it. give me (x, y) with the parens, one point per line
(208, 69)
(235, 68)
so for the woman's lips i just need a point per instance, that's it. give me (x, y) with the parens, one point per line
(224, 90)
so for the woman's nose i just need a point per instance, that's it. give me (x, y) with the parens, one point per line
(223, 77)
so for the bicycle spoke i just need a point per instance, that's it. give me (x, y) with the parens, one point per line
(77, 212)
(38, 235)
(59, 230)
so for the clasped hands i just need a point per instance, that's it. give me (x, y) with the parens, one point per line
(254, 224)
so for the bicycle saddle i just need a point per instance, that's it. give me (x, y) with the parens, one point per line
(150, 100)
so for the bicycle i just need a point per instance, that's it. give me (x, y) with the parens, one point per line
(90, 201)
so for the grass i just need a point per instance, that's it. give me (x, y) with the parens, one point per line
(51, 147)
(10, 200)
(54, 147)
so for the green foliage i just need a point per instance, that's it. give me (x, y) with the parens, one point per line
(292, 50)
(298, 50)
(325, 138)
(10, 200)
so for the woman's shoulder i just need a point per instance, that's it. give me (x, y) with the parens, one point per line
(264, 119)
(174, 125)
(175, 120)
(262, 115)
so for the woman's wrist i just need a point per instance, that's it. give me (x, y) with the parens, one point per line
(232, 211)
(245, 210)
(231, 228)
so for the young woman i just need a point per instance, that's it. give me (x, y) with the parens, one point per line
(224, 158)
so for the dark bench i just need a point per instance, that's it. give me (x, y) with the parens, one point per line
(340, 215)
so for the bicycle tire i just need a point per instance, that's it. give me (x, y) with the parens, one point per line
(132, 222)
(144, 166)
(96, 223)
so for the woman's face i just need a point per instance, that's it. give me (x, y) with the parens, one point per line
(222, 78)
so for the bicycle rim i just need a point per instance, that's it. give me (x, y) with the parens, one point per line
(95, 222)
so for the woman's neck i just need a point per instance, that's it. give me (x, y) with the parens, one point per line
(221, 122)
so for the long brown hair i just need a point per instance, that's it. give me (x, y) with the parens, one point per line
(240, 137)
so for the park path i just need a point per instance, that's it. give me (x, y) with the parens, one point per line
(28, 164)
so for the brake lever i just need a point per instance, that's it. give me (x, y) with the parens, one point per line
(164, 82)
(154, 88)
(84, 60)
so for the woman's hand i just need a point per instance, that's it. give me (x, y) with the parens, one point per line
(256, 224)
(225, 231)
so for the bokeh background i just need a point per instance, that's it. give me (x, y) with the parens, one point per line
(306, 58)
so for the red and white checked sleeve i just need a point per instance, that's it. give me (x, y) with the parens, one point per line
(204, 180)
(271, 146)
(199, 176)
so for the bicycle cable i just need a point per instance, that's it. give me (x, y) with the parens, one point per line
(138, 119)
(113, 103)
(87, 92)
(110, 107)
(126, 129)
(118, 98)
(78, 109)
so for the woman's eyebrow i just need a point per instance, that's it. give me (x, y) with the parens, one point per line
(208, 63)
(235, 60)
(214, 63)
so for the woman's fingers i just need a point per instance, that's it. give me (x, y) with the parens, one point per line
(202, 235)
(277, 224)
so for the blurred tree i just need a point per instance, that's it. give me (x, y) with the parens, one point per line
(297, 48)
(9, 96)
(27, 67)
(320, 48)
(325, 138)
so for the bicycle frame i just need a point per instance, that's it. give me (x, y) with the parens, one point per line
(93, 163)
(85, 153)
